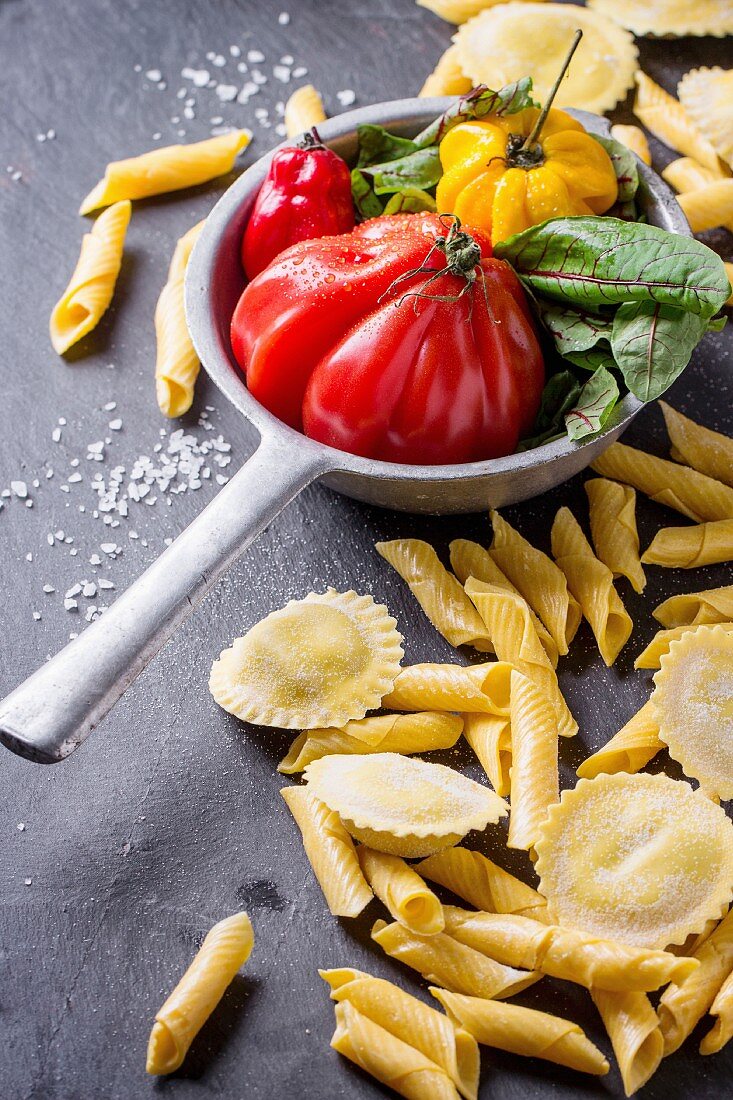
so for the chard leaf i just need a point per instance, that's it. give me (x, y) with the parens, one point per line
(558, 397)
(420, 169)
(573, 330)
(589, 262)
(410, 200)
(377, 145)
(366, 202)
(593, 358)
(478, 103)
(593, 406)
(652, 345)
(624, 165)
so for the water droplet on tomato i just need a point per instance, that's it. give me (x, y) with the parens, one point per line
(330, 278)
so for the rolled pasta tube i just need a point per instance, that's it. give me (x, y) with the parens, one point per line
(712, 605)
(660, 643)
(407, 897)
(439, 594)
(683, 1004)
(412, 1021)
(303, 110)
(424, 731)
(613, 528)
(668, 120)
(534, 778)
(634, 139)
(698, 497)
(473, 877)
(515, 640)
(450, 964)
(722, 1030)
(538, 580)
(447, 78)
(480, 689)
(489, 735)
(563, 953)
(330, 851)
(176, 363)
(633, 1029)
(226, 947)
(709, 206)
(685, 174)
(691, 547)
(629, 750)
(168, 169)
(524, 1031)
(388, 1059)
(470, 559)
(591, 582)
(707, 451)
(89, 293)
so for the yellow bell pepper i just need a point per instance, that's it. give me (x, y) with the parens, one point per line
(493, 181)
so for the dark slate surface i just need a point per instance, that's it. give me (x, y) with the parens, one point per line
(169, 817)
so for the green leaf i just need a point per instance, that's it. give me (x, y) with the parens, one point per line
(366, 202)
(624, 165)
(377, 145)
(717, 324)
(410, 201)
(558, 397)
(573, 330)
(478, 103)
(593, 358)
(652, 345)
(589, 262)
(593, 406)
(420, 169)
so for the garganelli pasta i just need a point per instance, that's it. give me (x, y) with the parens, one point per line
(574, 956)
(686, 174)
(176, 362)
(473, 877)
(591, 582)
(481, 689)
(226, 947)
(613, 528)
(515, 640)
(534, 778)
(684, 1003)
(635, 139)
(707, 451)
(446, 962)
(168, 169)
(712, 605)
(629, 750)
(667, 119)
(660, 643)
(490, 737)
(303, 110)
(396, 1064)
(708, 207)
(447, 78)
(691, 547)
(408, 899)
(698, 497)
(633, 1028)
(539, 581)
(89, 293)
(439, 594)
(412, 1021)
(424, 731)
(524, 1031)
(330, 851)
(470, 559)
(722, 1030)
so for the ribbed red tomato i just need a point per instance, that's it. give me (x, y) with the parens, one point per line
(403, 341)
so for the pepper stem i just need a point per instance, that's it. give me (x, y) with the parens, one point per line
(531, 141)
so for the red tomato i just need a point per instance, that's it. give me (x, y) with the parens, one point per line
(345, 339)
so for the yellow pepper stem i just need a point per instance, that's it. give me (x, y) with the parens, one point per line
(528, 149)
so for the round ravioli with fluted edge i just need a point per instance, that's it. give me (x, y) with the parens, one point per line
(320, 661)
(402, 805)
(707, 96)
(505, 43)
(669, 18)
(642, 859)
(693, 706)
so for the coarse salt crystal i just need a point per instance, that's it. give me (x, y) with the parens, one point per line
(226, 92)
(115, 425)
(346, 97)
(283, 18)
(19, 488)
(255, 56)
(48, 589)
(154, 75)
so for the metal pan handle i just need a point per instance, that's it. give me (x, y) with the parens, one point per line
(50, 714)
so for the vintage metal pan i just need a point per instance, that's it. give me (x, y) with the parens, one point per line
(53, 711)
